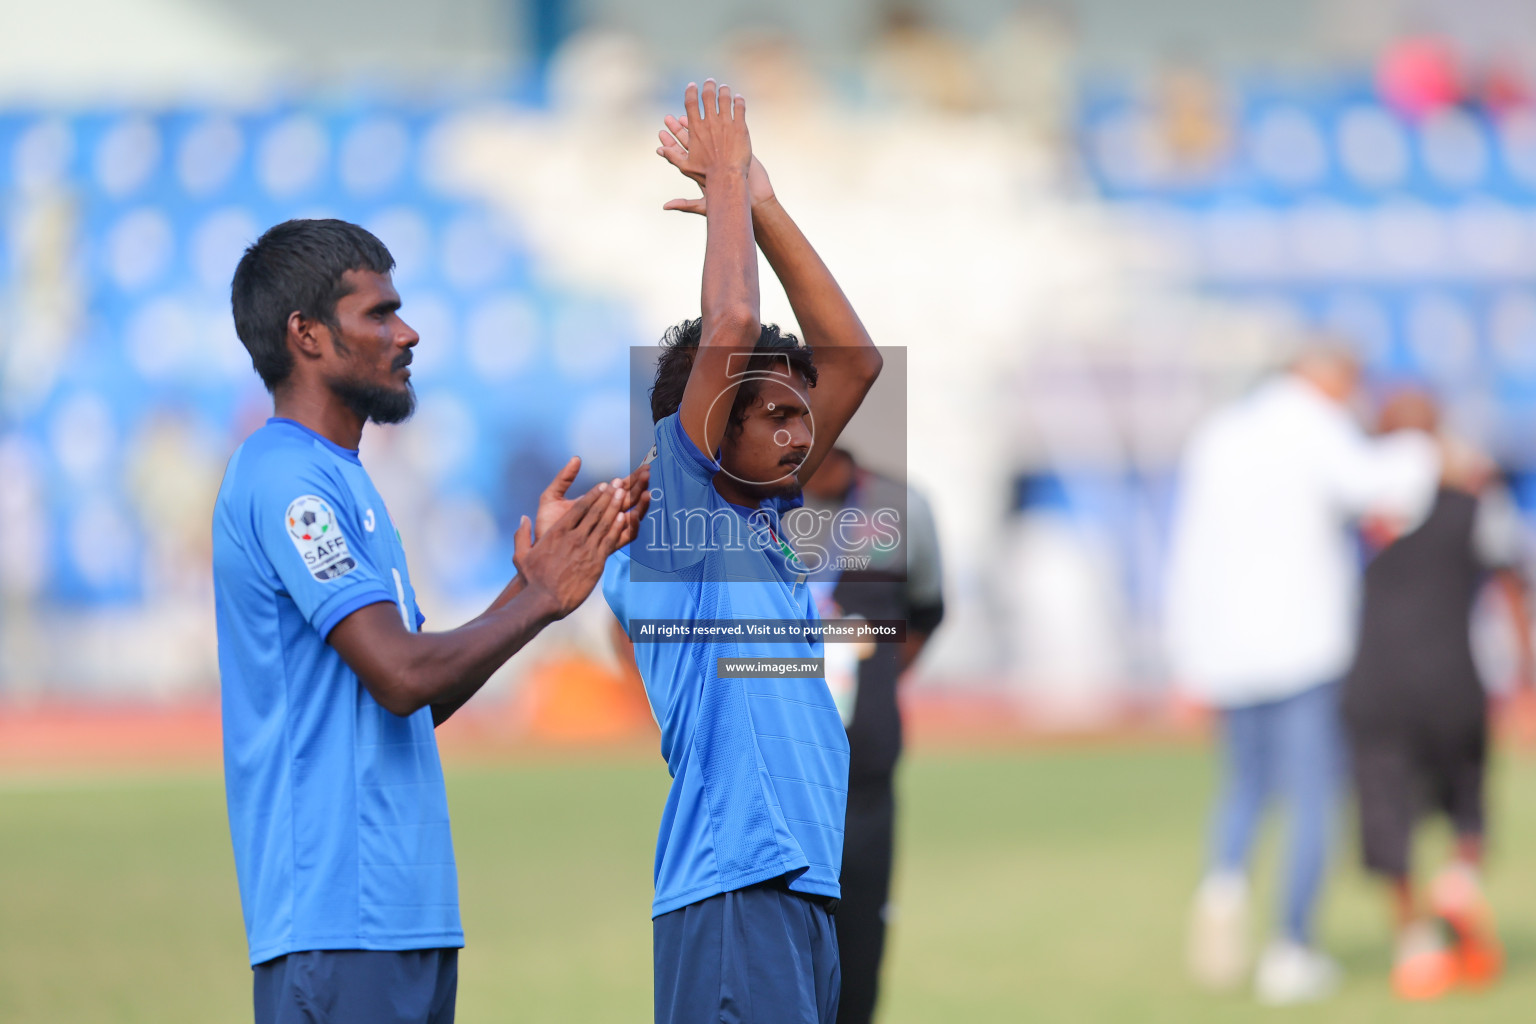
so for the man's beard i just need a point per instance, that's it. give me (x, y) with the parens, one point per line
(374, 402)
(785, 487)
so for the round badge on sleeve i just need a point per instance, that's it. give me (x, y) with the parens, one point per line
(316, 533)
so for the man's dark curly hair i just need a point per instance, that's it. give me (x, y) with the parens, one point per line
(681, 343)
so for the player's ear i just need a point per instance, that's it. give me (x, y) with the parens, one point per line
(306, 336)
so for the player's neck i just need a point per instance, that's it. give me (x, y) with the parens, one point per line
(320, 411)
(728, 489)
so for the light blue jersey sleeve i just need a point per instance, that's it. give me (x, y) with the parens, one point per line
(673, 534)
(305, 520)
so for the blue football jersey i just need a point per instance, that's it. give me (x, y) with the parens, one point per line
(337, 810)
(759, 765)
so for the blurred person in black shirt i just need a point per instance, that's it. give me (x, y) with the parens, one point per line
(898, 582)
(1416, 711)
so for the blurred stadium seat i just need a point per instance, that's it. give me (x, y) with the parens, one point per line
(123, 388)
(143, 216)
(1413, 238)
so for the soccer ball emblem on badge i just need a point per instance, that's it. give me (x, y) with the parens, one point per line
(311, 519)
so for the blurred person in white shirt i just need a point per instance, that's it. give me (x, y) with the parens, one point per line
(1263, 585)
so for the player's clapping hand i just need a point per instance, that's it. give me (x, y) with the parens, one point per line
(566, 563)
(715, 125)
(674, 149)
(553, 503)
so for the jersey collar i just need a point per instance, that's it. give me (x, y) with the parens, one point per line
(350, 454)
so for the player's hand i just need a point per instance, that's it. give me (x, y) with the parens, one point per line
(637, 501)
(715, 123)
(553, 504)
(566, 563)
(674, 149)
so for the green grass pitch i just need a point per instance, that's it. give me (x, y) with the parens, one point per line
(1031, 886)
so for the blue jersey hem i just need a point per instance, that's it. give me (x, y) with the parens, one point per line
(396, 944)
(832, 889)
(715, 888)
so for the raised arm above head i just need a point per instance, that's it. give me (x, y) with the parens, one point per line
(718, 159)
(847, 361)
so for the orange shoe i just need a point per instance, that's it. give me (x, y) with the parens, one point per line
(1457, 897)
(1424, 967)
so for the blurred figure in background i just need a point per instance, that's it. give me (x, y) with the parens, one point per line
(1029, 62)
(1194, 126)
(1416, 712)
(900, 582)
(914, 63)
(1263, 580)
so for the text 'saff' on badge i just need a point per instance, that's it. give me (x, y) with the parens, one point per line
(314, 530)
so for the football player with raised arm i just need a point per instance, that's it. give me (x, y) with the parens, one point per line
(751, 835)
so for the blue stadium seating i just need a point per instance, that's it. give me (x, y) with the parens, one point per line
(1416, 239)
(160, 205)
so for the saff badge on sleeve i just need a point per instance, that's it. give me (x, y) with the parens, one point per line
(316, 533)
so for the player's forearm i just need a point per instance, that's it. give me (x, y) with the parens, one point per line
(487, 643)
(730, 302)
(508, 592)
(822, 310)
(410, 671)
(847, 362)
(730, 306)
